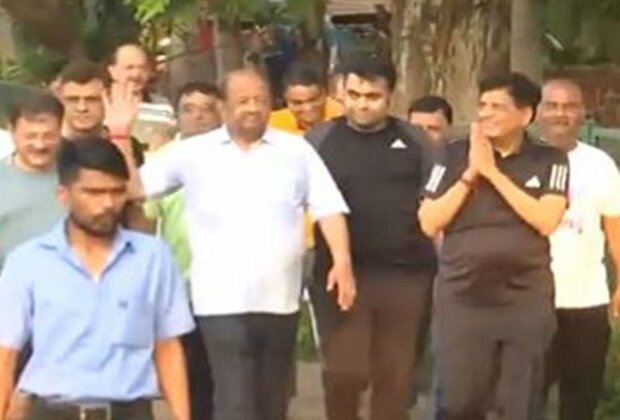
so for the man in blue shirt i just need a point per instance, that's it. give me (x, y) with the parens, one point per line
(103, 306)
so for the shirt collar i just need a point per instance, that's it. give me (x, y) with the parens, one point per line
(526, 146)
(223, 136)
(57, 239)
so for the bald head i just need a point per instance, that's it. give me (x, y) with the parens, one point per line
(130, 64)
(242, 76)
(561, 112)
(122, 52)
(247, 105)
(564, 85)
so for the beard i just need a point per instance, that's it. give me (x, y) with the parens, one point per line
(102, 226)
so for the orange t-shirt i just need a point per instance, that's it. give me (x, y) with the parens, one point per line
(284, 120)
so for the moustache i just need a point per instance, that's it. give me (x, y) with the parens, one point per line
(39, 151)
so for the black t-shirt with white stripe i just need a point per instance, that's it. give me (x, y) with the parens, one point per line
(487, 244)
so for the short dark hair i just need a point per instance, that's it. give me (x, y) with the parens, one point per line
(81, 72)
(431, 104)
(205, 88)
(304, 74)
(524, 92)
(35, 103)
(370, 68)
(92, 152)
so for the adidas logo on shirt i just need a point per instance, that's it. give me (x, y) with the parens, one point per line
(533, 182)
(398, 144)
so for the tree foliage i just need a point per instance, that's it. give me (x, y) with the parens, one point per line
(178, 14)
(583, 32)
(48, 33)
(230, 12)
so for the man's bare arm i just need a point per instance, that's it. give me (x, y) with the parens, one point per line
(172, 377)
(135, 218)
(543, 214)
(436, 214)
(336, 234)
(611, 226)
(121, 109)
(8, 363)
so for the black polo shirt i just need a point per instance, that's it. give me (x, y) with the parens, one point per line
(488, 251)
(381, 176)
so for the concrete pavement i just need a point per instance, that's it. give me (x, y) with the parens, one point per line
(308, 404)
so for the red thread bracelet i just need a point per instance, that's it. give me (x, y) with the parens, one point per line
(114, 137)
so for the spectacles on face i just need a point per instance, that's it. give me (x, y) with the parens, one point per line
(75, 101)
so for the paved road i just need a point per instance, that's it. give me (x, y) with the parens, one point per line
(308, 405)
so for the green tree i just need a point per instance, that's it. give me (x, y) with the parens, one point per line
(586, 31)
(231, 16)
(163, 18)
(50, 32)
(72, 28)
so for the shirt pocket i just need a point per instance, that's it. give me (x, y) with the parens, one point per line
(277, 189)
(57, 312)
(135, 324)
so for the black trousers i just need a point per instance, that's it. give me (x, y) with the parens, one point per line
(576, 360)
(198, 375)
(488, 358)
(374, 344)
(250, 358)
(422, 369)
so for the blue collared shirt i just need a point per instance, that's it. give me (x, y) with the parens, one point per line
(93, 338)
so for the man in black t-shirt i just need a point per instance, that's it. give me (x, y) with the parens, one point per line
(496, 198)
(380, 164)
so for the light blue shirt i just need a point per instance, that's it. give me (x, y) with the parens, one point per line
(93, 338)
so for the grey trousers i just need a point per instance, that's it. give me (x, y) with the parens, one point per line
(250, 358)
(489, 358)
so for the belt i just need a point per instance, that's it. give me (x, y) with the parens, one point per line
(137, 409)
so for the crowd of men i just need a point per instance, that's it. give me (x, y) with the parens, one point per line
(131, 271)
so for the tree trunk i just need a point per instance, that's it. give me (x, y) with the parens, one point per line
(54, 23)
(7, 42)
(444, 48)
(228, 48)
(563, 20)
(312, 25)
(527, 26)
